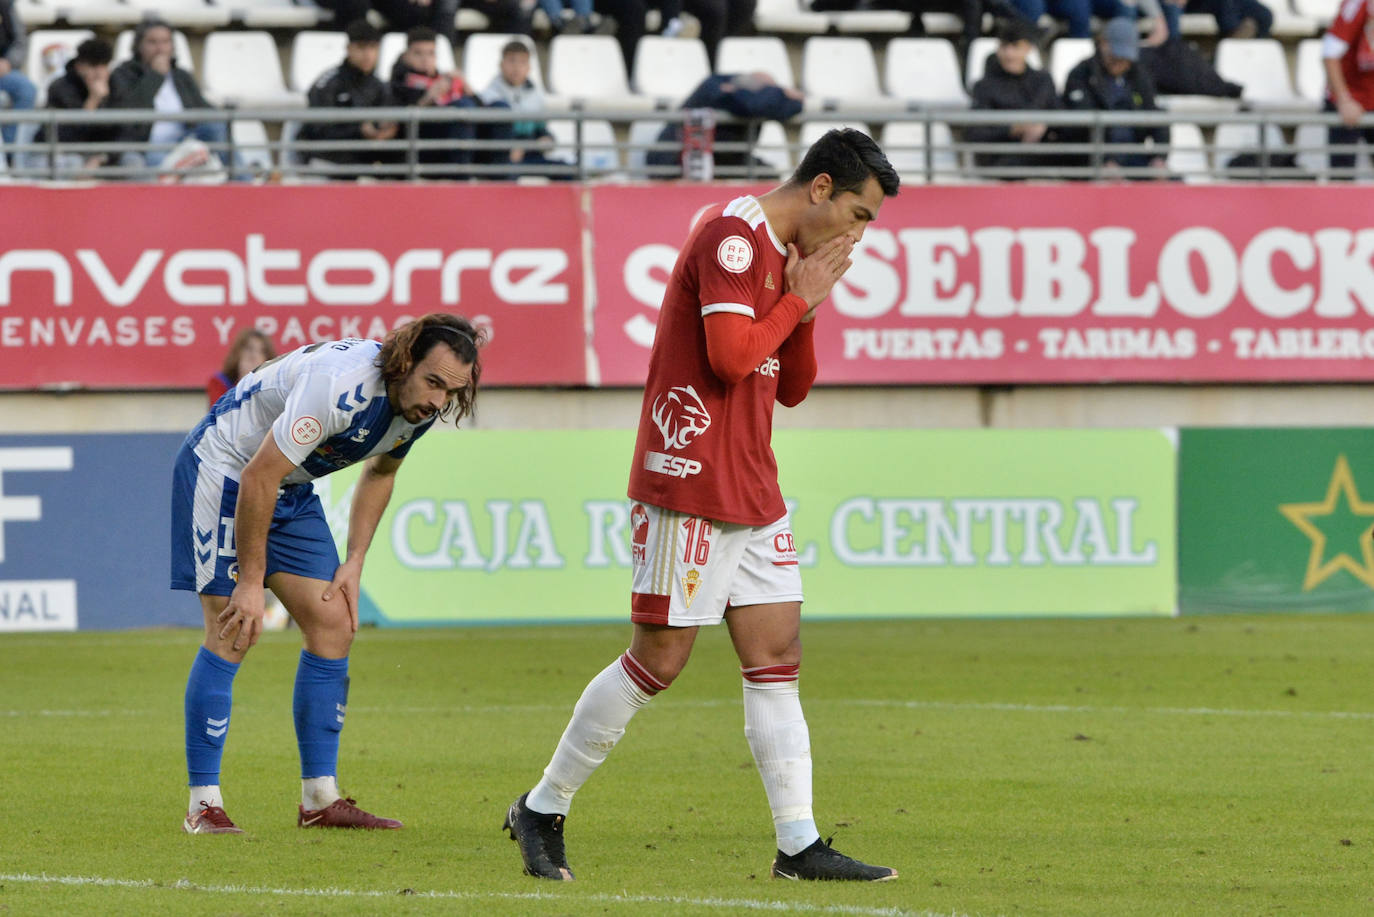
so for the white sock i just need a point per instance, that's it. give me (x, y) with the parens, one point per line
(778, 737)
(598, 721)
(318, 792)
(208, 794)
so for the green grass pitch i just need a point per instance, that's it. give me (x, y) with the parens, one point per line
(1106, 767)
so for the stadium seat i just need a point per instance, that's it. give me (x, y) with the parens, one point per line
(978, 51)
(772, 147)
(600, 154)
(242, 68)
(924, 71)
(470, 20)
(870, 22)
(250, 141)
(48, 53)
(591, 68)
(1065, 54)
(1261, 66)
(1320, 11)
(188, 14)
(1233, 139)
(788, 17)
(1188, 155)
(642, 135)
(312, 53)
(181, 49)
(33, 13)
(277, 14)
(905, 144)
(95, 12)
(1311, 72)
(394, 45)
(765, 53)
(811, 131)
(1290, 24)
(668, 69)
(482, 59)
(841, 72)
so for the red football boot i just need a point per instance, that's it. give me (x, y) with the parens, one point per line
(343, 813)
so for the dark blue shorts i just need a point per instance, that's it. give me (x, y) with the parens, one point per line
(204, 556)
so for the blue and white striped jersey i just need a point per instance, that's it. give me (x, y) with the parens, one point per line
(325, 404)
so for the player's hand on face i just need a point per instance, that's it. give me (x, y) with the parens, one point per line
(346, 585)
(241, 619)
(812, 277)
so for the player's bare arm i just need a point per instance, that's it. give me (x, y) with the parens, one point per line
(257, 500)
(370, 498)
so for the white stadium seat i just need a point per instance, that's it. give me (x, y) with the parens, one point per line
(33, 13)
(1187, 154)
(642, 134)
(189, 14)
(181, 49)
(1320, 11)
(312, 53)
(869, 22)
(905, 143)
(482, 59)
(1261, 66)
(394, 45)
(600, 154)
(276, 14)
(772, 148)
(924, 71)
(761, 53)
(591, 68)
(48, 53)
(243, 68)
(1290, 24)
(787, 16)
(250, 140)
(95, 12)
(842, 72)
(1232, 139)
(667, 70)
(1311, 72)
(1065, 54)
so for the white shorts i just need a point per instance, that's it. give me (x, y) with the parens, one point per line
(688, 570)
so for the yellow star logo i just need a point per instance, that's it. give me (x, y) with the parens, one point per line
(1302, 514)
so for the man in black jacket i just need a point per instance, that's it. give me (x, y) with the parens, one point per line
(85, 85)
(1009, 83)
(1110, 80)
(152, 79)
(352, 84)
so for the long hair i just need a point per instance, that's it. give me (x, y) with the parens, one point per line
(408, 345)
(231, 359)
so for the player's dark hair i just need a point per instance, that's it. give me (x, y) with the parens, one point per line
(231, 359)
(421, 33)
(362, 32)
(848, 157)
(409, 344)
(94, 51)
(515, 46)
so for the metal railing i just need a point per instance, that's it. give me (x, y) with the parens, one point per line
(1283, 147)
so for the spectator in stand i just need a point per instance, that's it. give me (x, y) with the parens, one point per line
(1236, 18)
(416, 80)
(1078, 14)
(718, 19)
(152, 79)
(352, 84)
(512, 88)
(1111, 80)
(510, 17)
(402, 15)
(251, 349)
(85, 85)
(13, 48)
(1174, 65)
(745, 95)
(1347, 52)
(970, 12)
(582, 16)
(1010, 83)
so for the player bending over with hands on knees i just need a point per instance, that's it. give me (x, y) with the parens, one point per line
(711, 539)
(245, 515)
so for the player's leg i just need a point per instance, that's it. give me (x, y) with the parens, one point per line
(765, 627)
(203, 561)
(673, 554)
(301, 561)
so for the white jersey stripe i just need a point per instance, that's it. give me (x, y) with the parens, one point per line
(738, 308)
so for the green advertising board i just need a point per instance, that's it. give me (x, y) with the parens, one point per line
(505, 526)
(1273, 520)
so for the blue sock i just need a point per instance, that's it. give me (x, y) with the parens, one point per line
(209, 695)
(319, 704)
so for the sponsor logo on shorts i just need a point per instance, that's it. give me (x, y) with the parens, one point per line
(639, 534)
(674, 466)
(786, 550)
(735, 254)
(680, 416)
(691, 584)
(306, 430)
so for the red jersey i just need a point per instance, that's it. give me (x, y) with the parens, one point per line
(1349, 38)
(704, 444)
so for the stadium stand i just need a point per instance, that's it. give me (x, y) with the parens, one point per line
(181, 48)
(772, 148)
(1319, 11)
(394, 45)
(277, 14)
(978, 52)
(924, 72)
(32, 13)
(243, 69)
(1261, 66)
(906, 145)
(312, 53)
(600, 153)
(250, 138)
(1065, 54)
(1188, 154)
(1309, 73)
(95, 12)
(589, 69)
(842, 72)
(668, 69)
(48, 53)
(788, 17)
(765, 53)
(188, 14)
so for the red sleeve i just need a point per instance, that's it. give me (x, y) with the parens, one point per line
(726, 264)
(798, 357)
(1349, 22)
(736, 344)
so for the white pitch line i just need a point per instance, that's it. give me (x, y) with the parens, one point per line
(991, 706)
(728, 904)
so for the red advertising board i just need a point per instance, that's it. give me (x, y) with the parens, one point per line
(1048, 284)
(129, 287)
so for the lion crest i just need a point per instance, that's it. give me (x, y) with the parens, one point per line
(680, 416)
